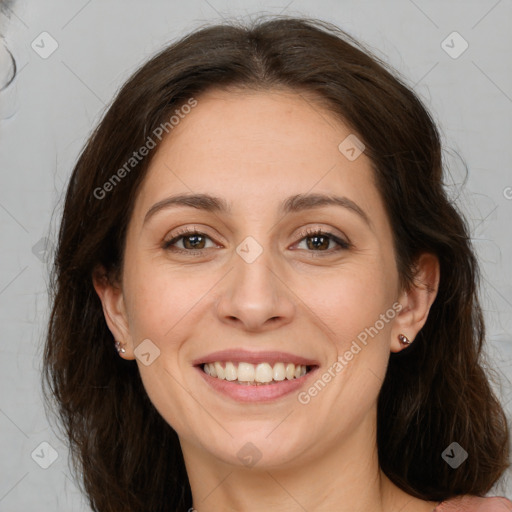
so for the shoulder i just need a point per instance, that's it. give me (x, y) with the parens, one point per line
(475, 504)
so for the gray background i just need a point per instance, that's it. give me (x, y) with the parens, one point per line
(50, 108)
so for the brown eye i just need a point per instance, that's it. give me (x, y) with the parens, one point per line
(319, 241)
(193, 241)
(190, 241)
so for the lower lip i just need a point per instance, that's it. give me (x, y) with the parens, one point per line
(253, 393)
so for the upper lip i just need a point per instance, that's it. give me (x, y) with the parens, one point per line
(246, 356)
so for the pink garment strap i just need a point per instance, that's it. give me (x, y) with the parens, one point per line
(475, 504)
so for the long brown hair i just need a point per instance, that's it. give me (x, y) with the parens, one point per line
(435, 392)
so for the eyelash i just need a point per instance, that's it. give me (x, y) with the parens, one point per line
(342, 244)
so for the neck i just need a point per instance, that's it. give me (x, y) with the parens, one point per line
(345, 478)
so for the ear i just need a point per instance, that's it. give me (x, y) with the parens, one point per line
(114, 310)
(417, 300)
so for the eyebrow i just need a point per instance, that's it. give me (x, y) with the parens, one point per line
(295, 203)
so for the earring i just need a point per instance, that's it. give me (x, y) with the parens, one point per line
(120, 348)
(404, 339)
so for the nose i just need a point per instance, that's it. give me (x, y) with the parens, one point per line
(254, 296)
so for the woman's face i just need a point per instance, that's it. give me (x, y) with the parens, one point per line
(254, 291)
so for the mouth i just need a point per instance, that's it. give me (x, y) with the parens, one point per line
(249, 374)
(250, 377)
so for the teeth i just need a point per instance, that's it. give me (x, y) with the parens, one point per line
(219, 371)
(279, 372)
(211, 366)
(230, 372)
(264, 373)
(247, 373)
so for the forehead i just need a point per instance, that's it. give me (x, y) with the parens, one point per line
(253, 148)
(256, 127)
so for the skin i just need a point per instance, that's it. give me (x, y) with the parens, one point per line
(254, 149)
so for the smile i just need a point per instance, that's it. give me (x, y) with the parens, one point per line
(255, 374)
(248, 376)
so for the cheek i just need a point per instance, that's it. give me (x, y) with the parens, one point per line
(356, 306)
(160, 299)
(162, 308)
(351, 300)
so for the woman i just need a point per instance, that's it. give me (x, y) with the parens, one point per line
(258, 226)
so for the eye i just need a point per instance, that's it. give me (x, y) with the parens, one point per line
(191, 240)
(318, 240)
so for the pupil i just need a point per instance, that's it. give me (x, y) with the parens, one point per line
(196, 239)
(315, 241)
